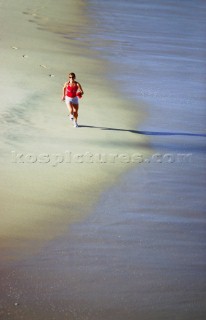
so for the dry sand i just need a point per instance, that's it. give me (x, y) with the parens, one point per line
(40, 198)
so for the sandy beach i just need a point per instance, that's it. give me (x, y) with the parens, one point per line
(97, 222)
(36, 59)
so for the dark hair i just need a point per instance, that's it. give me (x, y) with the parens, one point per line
(73, 75)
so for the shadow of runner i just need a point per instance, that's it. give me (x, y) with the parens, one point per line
(148, 133)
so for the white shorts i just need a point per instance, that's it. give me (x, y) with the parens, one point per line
(72, 100)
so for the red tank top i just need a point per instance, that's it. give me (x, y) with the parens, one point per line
(71, 91)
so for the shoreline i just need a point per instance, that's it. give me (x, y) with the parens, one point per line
(44, 201)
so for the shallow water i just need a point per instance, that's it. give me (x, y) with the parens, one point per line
(158, 49)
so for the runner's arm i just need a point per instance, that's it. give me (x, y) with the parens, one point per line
(64, 91)
(80, 88)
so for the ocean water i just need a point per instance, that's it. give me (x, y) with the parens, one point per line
(158, 49)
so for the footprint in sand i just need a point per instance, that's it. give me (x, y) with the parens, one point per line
(25, 56)
(43, 66)
(31, 12)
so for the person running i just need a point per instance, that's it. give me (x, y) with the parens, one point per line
(72, 90)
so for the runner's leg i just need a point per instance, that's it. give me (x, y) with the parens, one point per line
(75, 111)
(71, 111)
